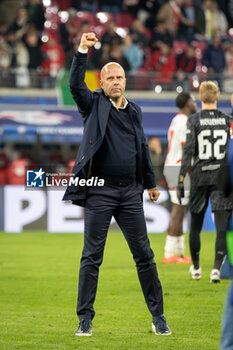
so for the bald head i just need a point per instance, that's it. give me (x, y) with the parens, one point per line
(113, 80)
(109, 66)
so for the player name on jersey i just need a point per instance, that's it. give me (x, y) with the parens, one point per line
(210, 121)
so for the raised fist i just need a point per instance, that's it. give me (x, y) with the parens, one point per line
(87, 40)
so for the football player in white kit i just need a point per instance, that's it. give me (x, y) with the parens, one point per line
(174, 251)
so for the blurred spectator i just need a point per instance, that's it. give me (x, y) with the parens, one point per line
(163, 63)
(9, 10)
(5, 58)
(228, 10)
(20, 25)
(18, 53)
(170, 13)
(148, 11)
(19, 60)
(195, 15)
(157, 158)
(100, 57)
(185, 65)
(110, 36)
(73, 46)
(133, 53)
(209, 27)
(138, 33)
(131, 6)
(220, 23)
(33, 44)
(84, 28)
(216, 22)
(68, 30)
(117, 56)
(36, 14)
(54, 60)
(229, 60)
(160, 34)
(214, 59)
(70, 54)
(113, 6)
(3, 28)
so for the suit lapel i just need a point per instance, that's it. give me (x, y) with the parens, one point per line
(103, 113)
(135, 118)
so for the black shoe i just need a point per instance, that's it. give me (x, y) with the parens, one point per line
(84, 328)
(159, 326)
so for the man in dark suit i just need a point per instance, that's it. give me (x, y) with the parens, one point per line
(114, 149)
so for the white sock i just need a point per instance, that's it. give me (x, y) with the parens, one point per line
(180, 246)
(170, 246)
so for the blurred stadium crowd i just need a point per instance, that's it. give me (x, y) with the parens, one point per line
(158, 42)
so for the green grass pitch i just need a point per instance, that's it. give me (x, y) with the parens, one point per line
(38, 290)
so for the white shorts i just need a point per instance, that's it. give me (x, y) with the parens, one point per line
(171, 173)
(174, 199)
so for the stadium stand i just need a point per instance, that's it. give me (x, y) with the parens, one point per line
(65, 21)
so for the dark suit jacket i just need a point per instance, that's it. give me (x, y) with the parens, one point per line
(94, 108)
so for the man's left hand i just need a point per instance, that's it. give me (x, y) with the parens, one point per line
(153, 193)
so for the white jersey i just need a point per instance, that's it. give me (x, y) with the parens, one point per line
(176, 139)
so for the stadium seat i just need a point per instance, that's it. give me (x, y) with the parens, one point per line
(200, 47)
(179, 46)
(64, 4)
(124, 20)
(86, 16)
(200, 44)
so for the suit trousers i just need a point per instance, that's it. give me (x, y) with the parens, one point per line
(126, 206)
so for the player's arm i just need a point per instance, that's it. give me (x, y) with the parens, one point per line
(80, 92)
(183, 133)
(189, 146)
(188, 153)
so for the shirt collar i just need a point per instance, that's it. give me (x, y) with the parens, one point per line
(122, 107)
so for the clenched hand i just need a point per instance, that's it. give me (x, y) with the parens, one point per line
(87, 40)
(153, 193)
